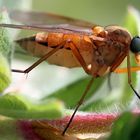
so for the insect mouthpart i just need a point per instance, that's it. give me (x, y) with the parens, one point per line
(135, 45)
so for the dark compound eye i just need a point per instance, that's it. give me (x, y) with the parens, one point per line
(135, 44)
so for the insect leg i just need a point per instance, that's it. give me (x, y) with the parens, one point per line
(79, 57)
(125, 70)
(117, 62)
(84, 65)
(40, 60)
(109, 81)
(128, 70)
(129, 76)
(79, 103)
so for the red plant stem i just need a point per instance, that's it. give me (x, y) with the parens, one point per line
(82, 124)
(50, 129)
(90, 123)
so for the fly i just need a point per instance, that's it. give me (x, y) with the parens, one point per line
(75, 43)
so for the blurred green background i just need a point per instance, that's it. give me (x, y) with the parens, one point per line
(97, 11)
(100, 12)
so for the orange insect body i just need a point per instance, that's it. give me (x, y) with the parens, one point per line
(100, 50)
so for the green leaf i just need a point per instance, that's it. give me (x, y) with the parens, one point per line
(71, 94)
(17, 107)
(5, 73)
(5, 38)
(132, 21)
(8, 129)
(100, 105)
(126, 128)
(5, 53)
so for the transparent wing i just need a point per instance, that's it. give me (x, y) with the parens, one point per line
(41, 18)
(48, 22)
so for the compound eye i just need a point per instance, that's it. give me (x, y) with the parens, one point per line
(135, 45)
